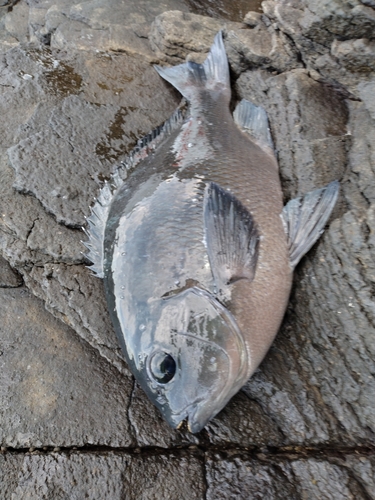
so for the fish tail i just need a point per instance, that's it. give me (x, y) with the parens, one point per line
(191, 78)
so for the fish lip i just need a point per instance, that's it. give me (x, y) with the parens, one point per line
(196, 427)
(188, 414)
(194, 424)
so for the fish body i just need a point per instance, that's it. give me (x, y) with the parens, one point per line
(195, 251)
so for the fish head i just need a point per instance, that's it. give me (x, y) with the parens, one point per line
(197, 360)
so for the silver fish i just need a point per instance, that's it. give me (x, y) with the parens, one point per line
(196, 249)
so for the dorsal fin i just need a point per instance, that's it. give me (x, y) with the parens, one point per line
(253, 120)
(97, 221)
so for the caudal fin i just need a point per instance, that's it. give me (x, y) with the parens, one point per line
(213, 75)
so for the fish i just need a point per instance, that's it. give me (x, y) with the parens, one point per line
(196, 249)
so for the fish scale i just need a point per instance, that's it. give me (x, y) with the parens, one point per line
(196, 249)
(175, 247)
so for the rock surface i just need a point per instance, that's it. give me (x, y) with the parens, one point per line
(77, 90)
(107, 475)
(55, 389)
(8, 278)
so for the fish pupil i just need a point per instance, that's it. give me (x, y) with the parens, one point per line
(162, 367)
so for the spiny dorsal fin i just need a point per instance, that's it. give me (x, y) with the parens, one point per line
(231, 236)
(97, 221)
(149, 142)
(96, 226)
(305, 217)
(253, 120)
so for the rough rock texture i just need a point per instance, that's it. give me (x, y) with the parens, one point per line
(8, 277)
(108, 475)
(55, 389)
(324, 32)
(66, 95)
(177, 35)
(77, 90)
(232, 476)
(233, 10)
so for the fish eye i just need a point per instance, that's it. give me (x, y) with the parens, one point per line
(162, 367)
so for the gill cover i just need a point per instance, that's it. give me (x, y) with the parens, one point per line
(209, 354)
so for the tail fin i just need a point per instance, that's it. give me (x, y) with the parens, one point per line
(213, 74)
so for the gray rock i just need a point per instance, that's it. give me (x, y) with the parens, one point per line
(336, 18)
(252, 19)
(28, 235)
(74, 295)
(20, 91)
(363, 471)
(176, 36)
(308, 125)
(243, 422)
(233, 477)
(356, 55)
(8, 277)
(63, 180)
(360, 185)
(261, 47)
(16, 22)
(67, 179)
(367, 95)
(303, 426)
(323, 21)
(318, 479)
(99, 15)
(232, 10)
(6, 40)
(96, 25)
(54, 389)
(73, 36)
(333, 38)
(108, 475)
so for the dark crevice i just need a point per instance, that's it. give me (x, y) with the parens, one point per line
(324, 452)
(31, 230)
(297, 52)
(204, 475)
(9, 5)
(131, 426)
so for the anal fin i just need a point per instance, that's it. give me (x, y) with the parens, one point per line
(232, 238)
(305, 217)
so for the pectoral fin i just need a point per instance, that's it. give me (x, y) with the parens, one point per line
(305, 217)
(231, 236)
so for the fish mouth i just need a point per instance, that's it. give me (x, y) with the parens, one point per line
(189, 415)
(198, 418)
(194, 417)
